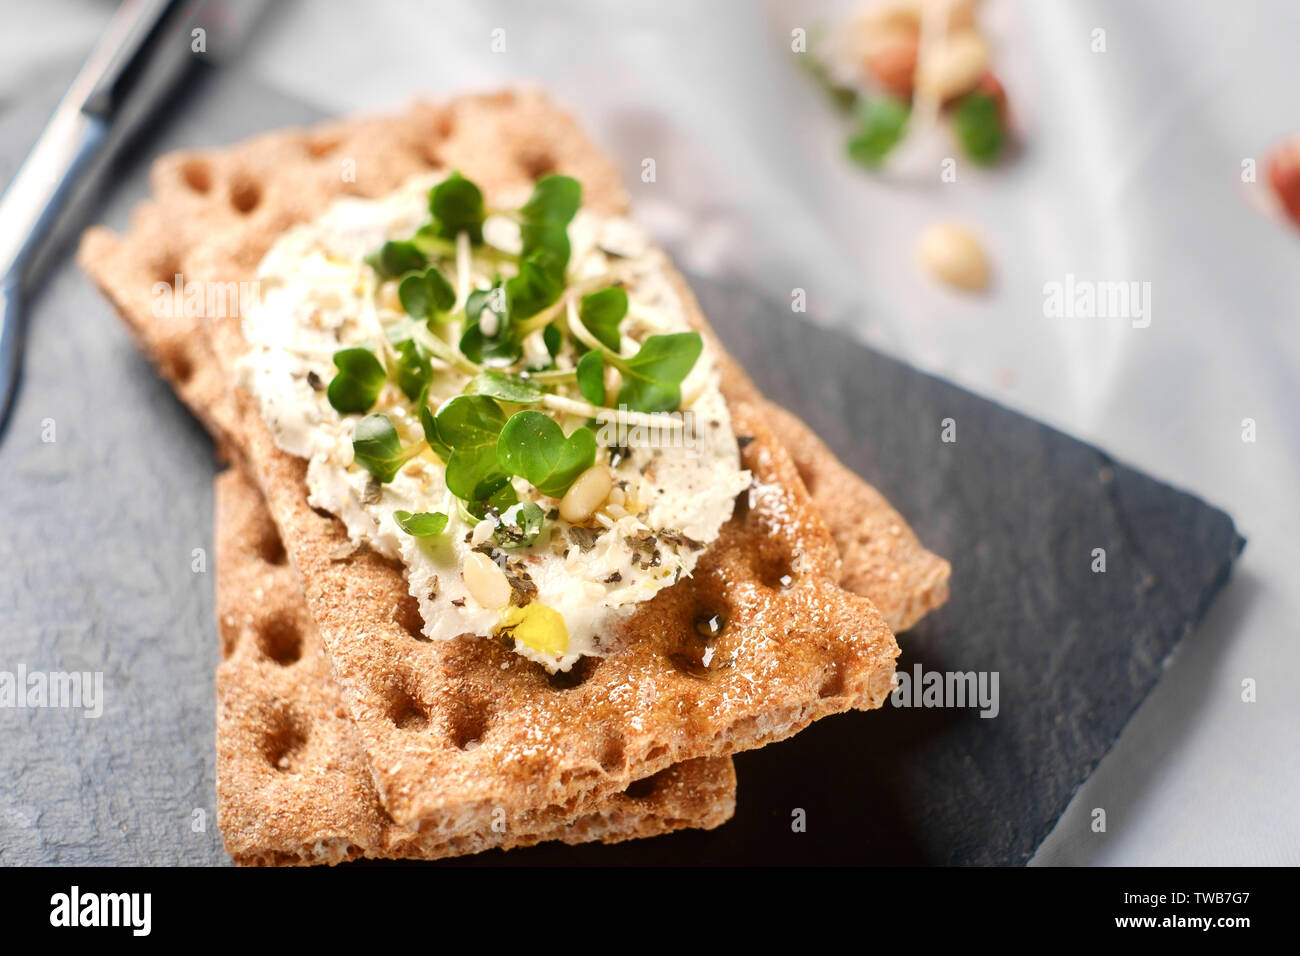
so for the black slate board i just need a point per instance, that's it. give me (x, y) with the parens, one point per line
(96, 574)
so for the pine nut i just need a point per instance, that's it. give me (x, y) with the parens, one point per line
(482, 531)
(889, 15)
(954, 67)
(586, 494)
(485, 582)
(953, 254)
(1284, 176)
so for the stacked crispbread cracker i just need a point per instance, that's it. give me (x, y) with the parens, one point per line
(431, 743)
(293, 782)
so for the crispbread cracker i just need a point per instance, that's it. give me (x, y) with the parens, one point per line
(786, 656)
(293, 786)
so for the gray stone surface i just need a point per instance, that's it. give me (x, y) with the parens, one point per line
(100, 528)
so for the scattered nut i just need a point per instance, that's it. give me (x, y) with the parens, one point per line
(482, 531)
(485, 582)
(1284, 176)
(886, 16)
(954, 66)
(904, 14)
(953, 254)
(586, 494)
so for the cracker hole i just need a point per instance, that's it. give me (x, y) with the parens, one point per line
(166, 268)
(467, 724)
(197, 175)
(406, 615)
(643, 788)
(408, 712)
(832, 684)
(703, 625)
(280, 638)
(575, 676)
(691, 663)
(228, 628)
(807, 474)
(319, 146)
(445, 124)
(245, 194)
(656, 753)
(709, 624)
(537, 163)
(777, 574)
(285, 740)
(612, 753)
(179, 367)
(268, 547)
(740, 510)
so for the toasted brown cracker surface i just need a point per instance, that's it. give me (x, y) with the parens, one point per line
(293, 786)
(787, 655)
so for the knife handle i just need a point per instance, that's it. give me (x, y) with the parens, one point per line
(146, 23)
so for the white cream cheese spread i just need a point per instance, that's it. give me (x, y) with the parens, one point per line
(661, 484)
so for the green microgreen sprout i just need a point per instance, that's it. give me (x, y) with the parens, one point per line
(882, 122)
(977, 121)
(504, 387)
(601, 312)
(469, 426)
(423, 524)
(412, 369)
(652, 378)
(397, 258)
(457, 206)
(426, 295)
(360, 379)
(533, 446)
(377, 448)
(591, 376)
